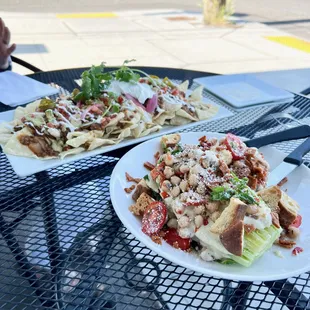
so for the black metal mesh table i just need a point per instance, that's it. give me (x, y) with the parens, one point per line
(63, 247)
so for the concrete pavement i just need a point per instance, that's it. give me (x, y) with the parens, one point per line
(165, 37)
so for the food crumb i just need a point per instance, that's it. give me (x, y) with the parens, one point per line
(156, 239)
(278, 253)
(128, 190)
(297, 250)
(129, 178)
(282, 182)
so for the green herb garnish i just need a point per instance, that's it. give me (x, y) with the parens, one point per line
(146, 177)
(96, 80)
(238, 189)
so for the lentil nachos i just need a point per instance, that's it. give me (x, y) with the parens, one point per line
(111, 106)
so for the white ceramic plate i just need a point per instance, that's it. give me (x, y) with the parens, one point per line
(24, 166)
(267, 268)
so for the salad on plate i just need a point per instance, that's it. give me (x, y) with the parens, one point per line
(110, 106)
(210, 199)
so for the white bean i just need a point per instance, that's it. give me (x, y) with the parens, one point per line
(199, 209)
(168, 159)
(198, 221)
(175, 180)
(175, 191)
(184, 168)
(172, 223)
(215, 215)
(166, 186)
(179, 209)
(201, 188)
(183, 185)
(183, 221)
(168, 172)
(193, 180)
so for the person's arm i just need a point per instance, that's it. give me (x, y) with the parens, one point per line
(5, 49)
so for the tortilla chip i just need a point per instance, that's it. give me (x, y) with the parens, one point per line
(71, 152)
(166, 116)
(100, 142)
(196, 95)
(136, 132)
(184, 114)
(81, 139)
(206, 114)
(178, 120)
(5, 137)
(150, 130)
(116, 119)
(184, 86)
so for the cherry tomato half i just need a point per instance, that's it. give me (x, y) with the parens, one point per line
(154, 218)
(235, 146)
(172, 237)
(297, 221)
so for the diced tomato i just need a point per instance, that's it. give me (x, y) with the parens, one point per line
(120, 99)
(175, 92)
(235, 146)
(297, 221)
(172, 237)
(105, 100)
(164, 89)
(205, 222)
(164, 195)
(154, 218)
(297, 250)
(158, 171)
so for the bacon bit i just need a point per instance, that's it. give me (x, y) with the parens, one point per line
(223, 167)
(285, 243)
(129, 178)
(148, 165)
(164, 195)
(195, 203)
(158, 171)
(179, 173)
(128, 190)
(156, 239)
(202, 139)
(249, 228)
(297, 250)
(176, 245)
(275, 219)
(282, 182)
(156, 156)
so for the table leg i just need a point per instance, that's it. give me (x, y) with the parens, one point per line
(51, 231)
(289, 295)
(236, 297)
(25, 268)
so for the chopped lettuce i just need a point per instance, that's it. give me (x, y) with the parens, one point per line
(256, 244)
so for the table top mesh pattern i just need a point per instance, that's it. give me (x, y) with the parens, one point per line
(63, 247)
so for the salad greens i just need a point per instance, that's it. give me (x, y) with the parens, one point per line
(238, 188)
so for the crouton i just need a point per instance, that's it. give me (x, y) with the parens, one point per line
(279, 202)
(141, 188)
(141, 204)
(271, 196)
(233, 213)
(232, 238)
(288, 210)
